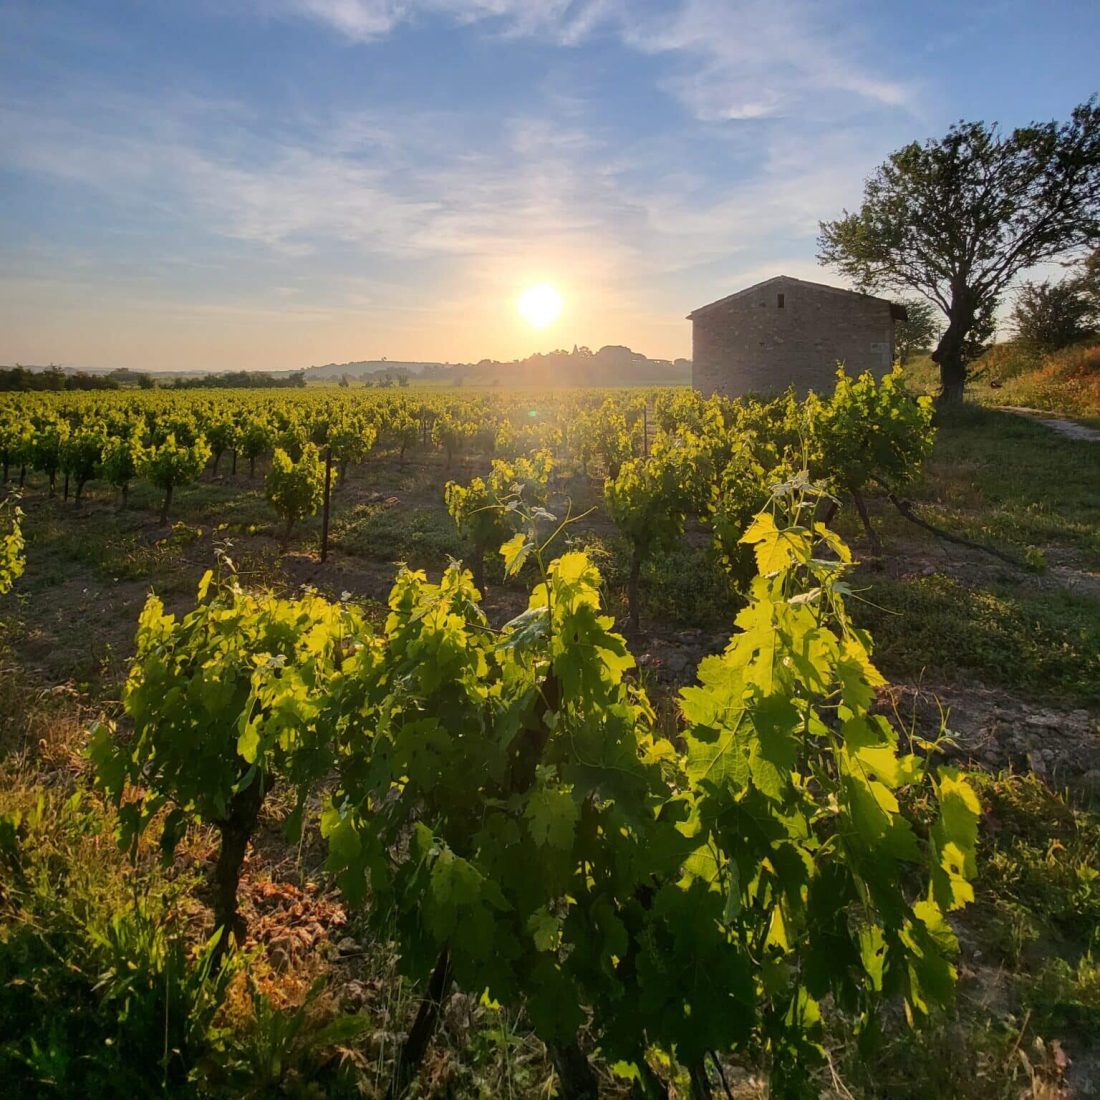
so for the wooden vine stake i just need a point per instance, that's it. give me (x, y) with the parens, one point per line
(328, 498)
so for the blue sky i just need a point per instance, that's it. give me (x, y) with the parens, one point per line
(275, 183)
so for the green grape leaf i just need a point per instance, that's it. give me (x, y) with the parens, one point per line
(552, 817)
(545, 930)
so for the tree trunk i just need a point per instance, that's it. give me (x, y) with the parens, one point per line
(66, 494)
(286, 533)
(125, 494)
(576, 1078)
(53, 483)
(952, 376)
(236, 830)
(22, 475)
(5, 471)
(234, 469)
(251, 467)
(217, 459)
(949, 351)
(865, 519)
(633, 598)
(700, 1083)
(79, 491)
(420, 1035)
(164, 506)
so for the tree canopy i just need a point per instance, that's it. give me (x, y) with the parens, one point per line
(958, 218)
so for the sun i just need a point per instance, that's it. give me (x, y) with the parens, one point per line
(540, 305)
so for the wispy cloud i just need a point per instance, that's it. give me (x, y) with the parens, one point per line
(367, 20)
(728, 61)
(752, 59)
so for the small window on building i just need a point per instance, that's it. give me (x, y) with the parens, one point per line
(780, 301)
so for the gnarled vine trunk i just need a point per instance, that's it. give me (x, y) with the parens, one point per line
(633, 592)
(576, 1077)
(236, 830)
(420, 1035)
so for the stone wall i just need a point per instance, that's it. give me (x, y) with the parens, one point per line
(750, 344)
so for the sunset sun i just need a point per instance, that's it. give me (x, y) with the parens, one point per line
(540, 305)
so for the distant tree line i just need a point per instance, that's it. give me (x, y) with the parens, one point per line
(19, 379)
(383, 380)
(242, 380)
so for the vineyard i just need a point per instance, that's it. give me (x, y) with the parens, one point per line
(539, 744)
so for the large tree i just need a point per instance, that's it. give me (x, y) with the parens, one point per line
(957, 218)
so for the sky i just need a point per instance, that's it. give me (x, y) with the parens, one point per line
(270, 184)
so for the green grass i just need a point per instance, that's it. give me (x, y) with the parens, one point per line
(391, 533)
(1039, 882)
(1046, 644)
(1004, 481)
(1001, 477)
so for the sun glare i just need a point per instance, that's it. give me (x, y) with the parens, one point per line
(540, 305)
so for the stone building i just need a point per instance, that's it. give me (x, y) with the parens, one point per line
(789, 332)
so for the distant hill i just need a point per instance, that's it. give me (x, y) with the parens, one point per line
(612, 365)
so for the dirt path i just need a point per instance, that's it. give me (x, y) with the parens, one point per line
(1069, 428)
